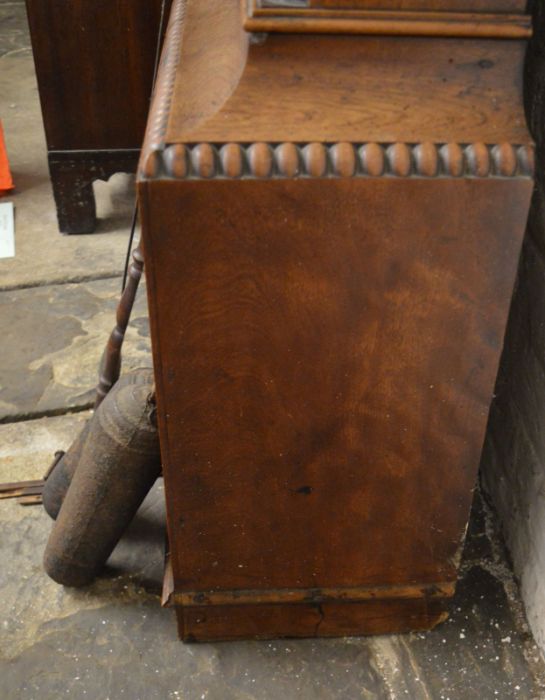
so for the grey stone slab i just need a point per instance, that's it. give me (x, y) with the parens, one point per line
(43, 255)
(14, 36)
(52, 341)
(26, 448)
(113, 640)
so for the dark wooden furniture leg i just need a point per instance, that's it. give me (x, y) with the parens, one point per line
(72, 177)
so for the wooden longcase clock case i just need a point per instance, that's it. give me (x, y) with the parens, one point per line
(333, 196)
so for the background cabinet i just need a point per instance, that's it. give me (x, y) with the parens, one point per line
(94, 63)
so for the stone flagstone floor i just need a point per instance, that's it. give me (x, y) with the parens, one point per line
(112, 639)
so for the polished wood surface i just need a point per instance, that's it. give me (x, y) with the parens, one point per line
(331, 230)
(291, 88)
(305, 382)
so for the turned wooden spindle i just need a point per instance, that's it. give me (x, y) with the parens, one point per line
(110, 365)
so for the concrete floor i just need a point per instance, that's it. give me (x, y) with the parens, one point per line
(112, 639)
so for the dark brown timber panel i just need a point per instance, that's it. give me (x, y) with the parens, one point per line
(326, 352)
(326, 620)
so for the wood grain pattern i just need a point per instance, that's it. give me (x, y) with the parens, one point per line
(292, 87)
(305, 382)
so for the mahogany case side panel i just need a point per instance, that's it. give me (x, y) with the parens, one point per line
(326, 351)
